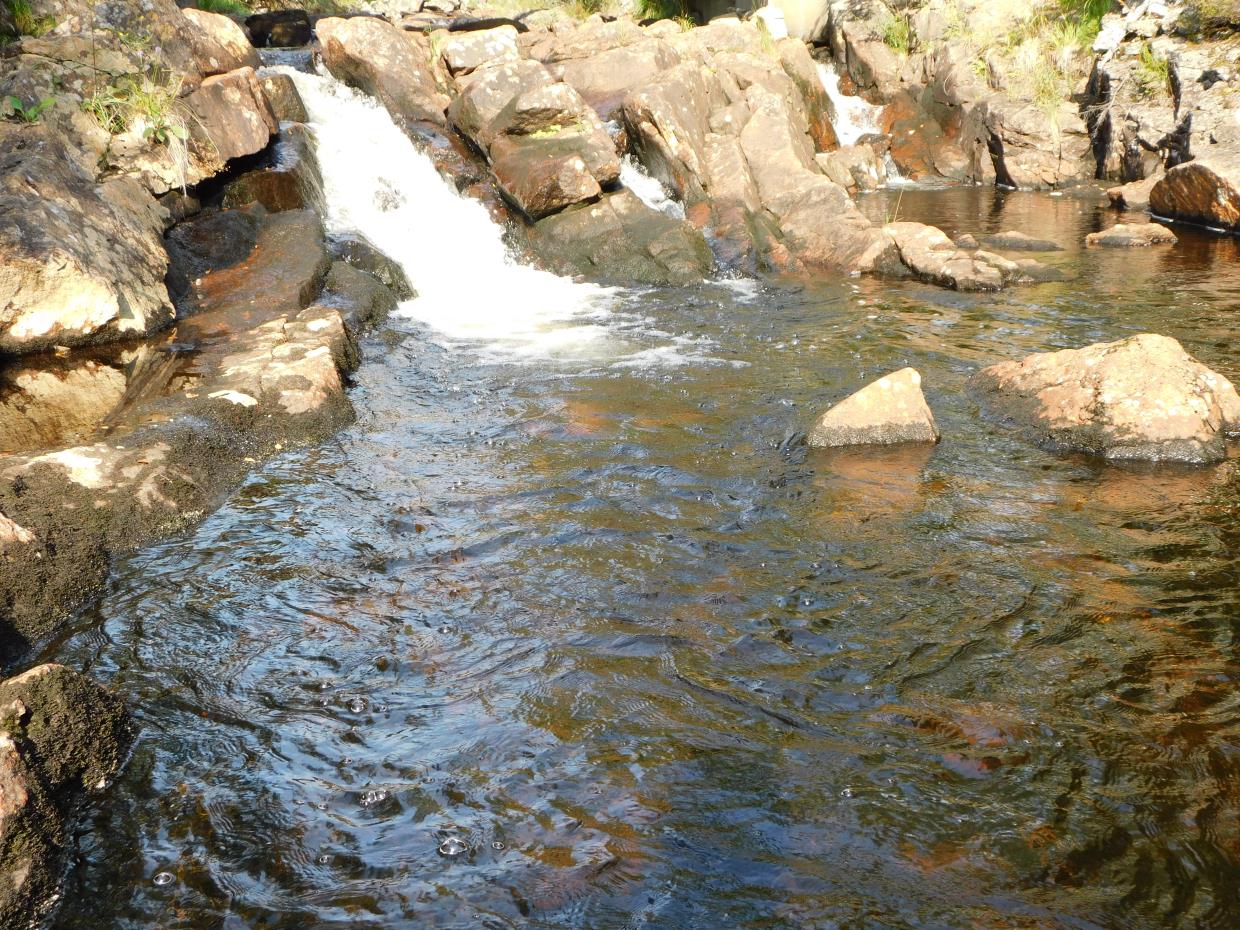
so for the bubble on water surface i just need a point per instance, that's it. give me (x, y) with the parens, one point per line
(497, 845)
(325, 859)
(163, 878)
(357, 705)
(373, 797)
(453, 847)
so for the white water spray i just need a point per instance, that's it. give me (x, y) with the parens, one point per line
(378, 184)
(854, 116)
(648, 190)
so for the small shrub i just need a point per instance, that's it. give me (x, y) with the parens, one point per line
(14, 109)
(137, 98)
(898, 35)
(661, 9)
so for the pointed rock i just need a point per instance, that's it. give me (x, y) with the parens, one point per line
(889, 410)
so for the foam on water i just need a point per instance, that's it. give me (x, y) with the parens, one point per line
(469, 288)
(648, 190)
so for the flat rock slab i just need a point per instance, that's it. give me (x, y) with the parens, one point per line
(465, 51)
(1016, 241)
(1132, 235)
(885, 412)
(1139, 398)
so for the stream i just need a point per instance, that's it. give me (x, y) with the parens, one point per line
(569, 629)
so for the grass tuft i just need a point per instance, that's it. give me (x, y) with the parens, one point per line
(898, 35)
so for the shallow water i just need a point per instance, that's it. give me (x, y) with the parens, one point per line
(605, 621)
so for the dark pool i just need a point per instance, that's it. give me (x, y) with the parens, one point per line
(658, 666)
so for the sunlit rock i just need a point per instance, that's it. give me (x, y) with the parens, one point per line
(887, 411)
(1139, 398)
(1132, 235)
(1206, 190)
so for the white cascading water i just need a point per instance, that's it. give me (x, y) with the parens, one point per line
(854, 116)
(378, 184)
(648, 190)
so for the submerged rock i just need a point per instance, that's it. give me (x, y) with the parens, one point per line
(1130, 235)
(887, 411)
(61, 737)
(359, 252)
(1016, 241)
(621, 240)
(1205, 191)
(1139, 398)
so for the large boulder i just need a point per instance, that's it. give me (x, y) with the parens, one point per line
(1139, 398)
(232, 119)
(1019, 144)
(80, 262)
(887, 411)
(930, 255)
(283, 98)
(387, 63)
(219, 44)
(62, 738)
(1205, 191)
(621, 240)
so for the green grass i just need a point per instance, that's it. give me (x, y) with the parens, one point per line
(227, 7)
(898, 35)
(24, 20)
(1153, 72)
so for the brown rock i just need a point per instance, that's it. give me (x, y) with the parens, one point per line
(1132, 235)
(1139, 398)
(543, 175)
(486, 96)
(387, 63)
(1013, 240)
(219, 44)
(465, 51)
(1205, 191)
(283, 98)
(280, 29)
(931, 256)
(887, 411)
(1135, 195)
(231, 119)
(292, 183)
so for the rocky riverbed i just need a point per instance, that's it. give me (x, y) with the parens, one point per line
(209, 221)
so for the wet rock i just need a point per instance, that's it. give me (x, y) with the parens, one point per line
(820, 112)
(464, 52)
(294, 182)
(1139, 398)
(280, 29)
(283, 98)
(210, 240)
(1016, 241)
(853, 167)
(387, 63)
(545, 174)
(80, 263)
(362, 255)
(62, 738)
(931, 256)
(1205, 191)
(1135, 195)
(363, 299)
(967, 241)
(1132, 235)
(621, 240)
(219, 44)
(920, 147)
(43, 405)
(667, 124)
(887, 411)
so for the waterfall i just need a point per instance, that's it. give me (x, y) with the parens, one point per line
(378, 184)
(648, 190)
(854, 116)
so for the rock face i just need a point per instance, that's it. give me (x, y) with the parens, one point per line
(887, 411)
(1140, 398)
(292, 183)
(1132, 235)
(1205, 191)
(621, 240)
(61, 738)
(80, 262)
(219, 44)
(387, 63)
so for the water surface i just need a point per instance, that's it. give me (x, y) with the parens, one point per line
(603, 618)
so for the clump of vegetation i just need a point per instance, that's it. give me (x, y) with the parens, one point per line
(661, 9)
(139, 100)
(227, 7)
(24, 20)
(898, 35)
(1153, 72)
(14, 108)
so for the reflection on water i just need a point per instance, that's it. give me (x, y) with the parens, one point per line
(655, 664)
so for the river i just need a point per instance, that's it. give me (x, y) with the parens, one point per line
(571, 630)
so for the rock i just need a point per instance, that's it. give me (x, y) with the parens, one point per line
(621, 240)
(1205, 191)
(1017, 144)
(363, 299)
(1129, 235)
(1016, 241)
(49, 403)
(293, 182)
(283, 98)
(358, 252)
(484, 107)
(967, 241)
(931, 256)
(219, 44)
(1139, 398)
(853, 167)
(820, 112)
(920, 147)
(667, 124)
(210, 240)
(280, 29)
(80, 263)
(543, 176)
(388, 64)
(887, 411)
(466, 51)
(231, 119)
(1135, 195)
(62, 738)
(604, 67)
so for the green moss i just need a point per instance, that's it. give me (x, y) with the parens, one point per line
(898, 35)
